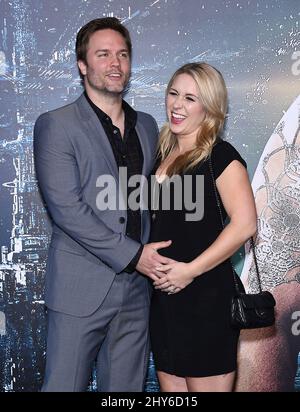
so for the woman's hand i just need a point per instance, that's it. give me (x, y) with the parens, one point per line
(178, 276)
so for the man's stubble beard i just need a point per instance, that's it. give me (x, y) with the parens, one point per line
(105, 91)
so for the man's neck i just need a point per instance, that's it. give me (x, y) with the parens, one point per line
(111, 104)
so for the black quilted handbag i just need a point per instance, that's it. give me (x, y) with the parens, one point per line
(248, 311)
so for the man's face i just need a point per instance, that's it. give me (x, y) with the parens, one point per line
(107, 67)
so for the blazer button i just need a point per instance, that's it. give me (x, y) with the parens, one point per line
(122, 219)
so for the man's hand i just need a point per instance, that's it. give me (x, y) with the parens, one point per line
(150, 259)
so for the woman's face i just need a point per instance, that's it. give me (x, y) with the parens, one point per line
(184, 109)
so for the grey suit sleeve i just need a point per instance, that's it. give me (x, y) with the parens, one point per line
(58, 176)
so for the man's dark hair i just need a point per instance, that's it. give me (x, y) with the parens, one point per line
(84, 34)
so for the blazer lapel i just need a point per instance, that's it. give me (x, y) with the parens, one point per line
(96, 131)
(147, 167)
(142, 135)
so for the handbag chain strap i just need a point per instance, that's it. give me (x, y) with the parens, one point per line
(223, 226)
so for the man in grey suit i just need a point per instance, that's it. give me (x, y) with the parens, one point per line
(97, 302)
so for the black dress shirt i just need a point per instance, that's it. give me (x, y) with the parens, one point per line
(128, 153)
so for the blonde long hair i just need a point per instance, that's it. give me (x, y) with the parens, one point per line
(213, 96)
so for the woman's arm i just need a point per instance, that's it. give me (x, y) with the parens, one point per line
(237, 197)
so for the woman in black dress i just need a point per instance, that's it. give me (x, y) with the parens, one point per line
(193, 344)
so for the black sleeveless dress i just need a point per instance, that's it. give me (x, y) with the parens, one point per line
(190, 330)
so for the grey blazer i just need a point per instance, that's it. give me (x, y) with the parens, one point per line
(88, 246)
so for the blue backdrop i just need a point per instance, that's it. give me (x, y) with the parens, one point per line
(253, 43)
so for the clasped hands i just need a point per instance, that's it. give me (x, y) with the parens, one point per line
(168, 275)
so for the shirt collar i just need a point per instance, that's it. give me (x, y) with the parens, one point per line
(130, 113)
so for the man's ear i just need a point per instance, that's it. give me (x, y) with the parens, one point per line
(82, 67)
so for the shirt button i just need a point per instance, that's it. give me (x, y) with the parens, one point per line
(115, 131)
(122, 219)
